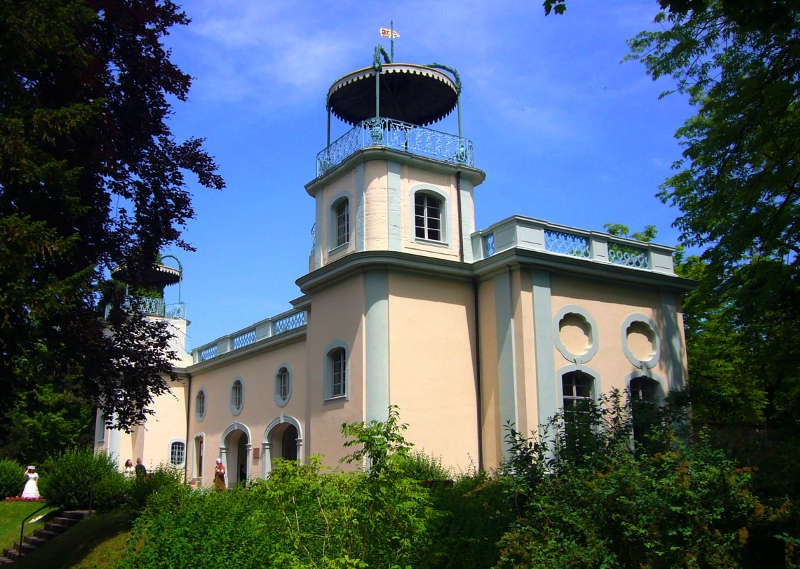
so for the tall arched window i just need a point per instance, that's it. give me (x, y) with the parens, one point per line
(237, 396)
(283, 386)
(577, 387)
(337, 373)
(200, 405)
(427, 216)
(643, 392)
(341, 221)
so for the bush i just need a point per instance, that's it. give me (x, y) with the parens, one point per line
(74, 473)
(589, 500)
(158, 479)
(421, 466)
(12, 478)
(298, 518)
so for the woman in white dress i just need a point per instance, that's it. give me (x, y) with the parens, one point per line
(31, 489)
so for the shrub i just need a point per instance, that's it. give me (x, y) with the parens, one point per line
(590, 500)
(158, 479)
(421, 466)
(12, 478)
(298, 518)
(70, 477)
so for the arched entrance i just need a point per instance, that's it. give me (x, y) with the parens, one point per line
(283, 438)
(235, 453)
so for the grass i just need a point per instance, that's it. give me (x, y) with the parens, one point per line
(98, 542)
(12, 514)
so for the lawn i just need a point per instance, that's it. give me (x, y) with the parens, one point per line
(98, 542)
(12, 514)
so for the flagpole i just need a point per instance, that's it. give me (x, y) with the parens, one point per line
(391, 35)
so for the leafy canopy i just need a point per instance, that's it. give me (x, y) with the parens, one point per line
(90, 178)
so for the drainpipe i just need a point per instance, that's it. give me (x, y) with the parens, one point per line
(479, 404)
(460, 226)
(188, 415)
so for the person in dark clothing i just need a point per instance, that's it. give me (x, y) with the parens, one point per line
(141, 471)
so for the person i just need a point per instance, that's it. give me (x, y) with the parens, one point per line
(129, 471)
(31, 490)
(219, 475)
(141, 471)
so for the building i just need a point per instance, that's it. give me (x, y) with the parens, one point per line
(406, 303)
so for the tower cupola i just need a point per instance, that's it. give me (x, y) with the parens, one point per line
(390, 182)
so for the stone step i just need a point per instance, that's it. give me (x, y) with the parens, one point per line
(68, 522)
(5, 560)
(55, 527)
(26, 547)
(77, 514)
(45, 533)
(11, 553)
(34, 540)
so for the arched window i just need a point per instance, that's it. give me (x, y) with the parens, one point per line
(283, 386)
(340, 221)
(200, 404)
(644, 395)
(577, 387)
(336, 373)
(177, 453)
(428, 216)
(237, 396)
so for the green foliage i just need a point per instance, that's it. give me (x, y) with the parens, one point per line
(299, 518)
(474, 513)
(422, 466)
(75, 477)
(12, 478)
(159, 479)
(588, 499)
(87, 89)
(382, 443)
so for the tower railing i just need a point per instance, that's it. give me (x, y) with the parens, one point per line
(151, 306)
(397, 135)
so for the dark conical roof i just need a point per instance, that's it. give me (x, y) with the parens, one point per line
(411, 93)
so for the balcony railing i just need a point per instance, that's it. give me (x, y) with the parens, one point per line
(279, 324)
(151, 307)
(397, 135)
(537, 235)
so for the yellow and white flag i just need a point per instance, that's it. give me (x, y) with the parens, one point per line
(387, 33)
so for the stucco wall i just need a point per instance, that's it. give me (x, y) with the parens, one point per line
(609, 304)
(259, 406)
(432, 365)
(336, 318)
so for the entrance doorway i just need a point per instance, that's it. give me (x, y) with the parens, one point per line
(237, 445)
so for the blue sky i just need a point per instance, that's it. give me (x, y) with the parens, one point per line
(563, 130)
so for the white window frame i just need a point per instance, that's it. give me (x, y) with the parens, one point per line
(329, 372)
(197, 412)
(597, 386)
(334, 245)
(444, 229)
(280, 400)
(236, 410)
(170, 447)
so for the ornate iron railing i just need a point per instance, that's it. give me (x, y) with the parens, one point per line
(397, 135)
(151, 307)
(567, 243)
(628, 255)
(279, 324)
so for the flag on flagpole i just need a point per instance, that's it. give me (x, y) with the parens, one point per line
(387, 33)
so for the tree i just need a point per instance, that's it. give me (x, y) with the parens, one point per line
(90, 178)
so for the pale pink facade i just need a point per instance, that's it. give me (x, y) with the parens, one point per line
(465, 331)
